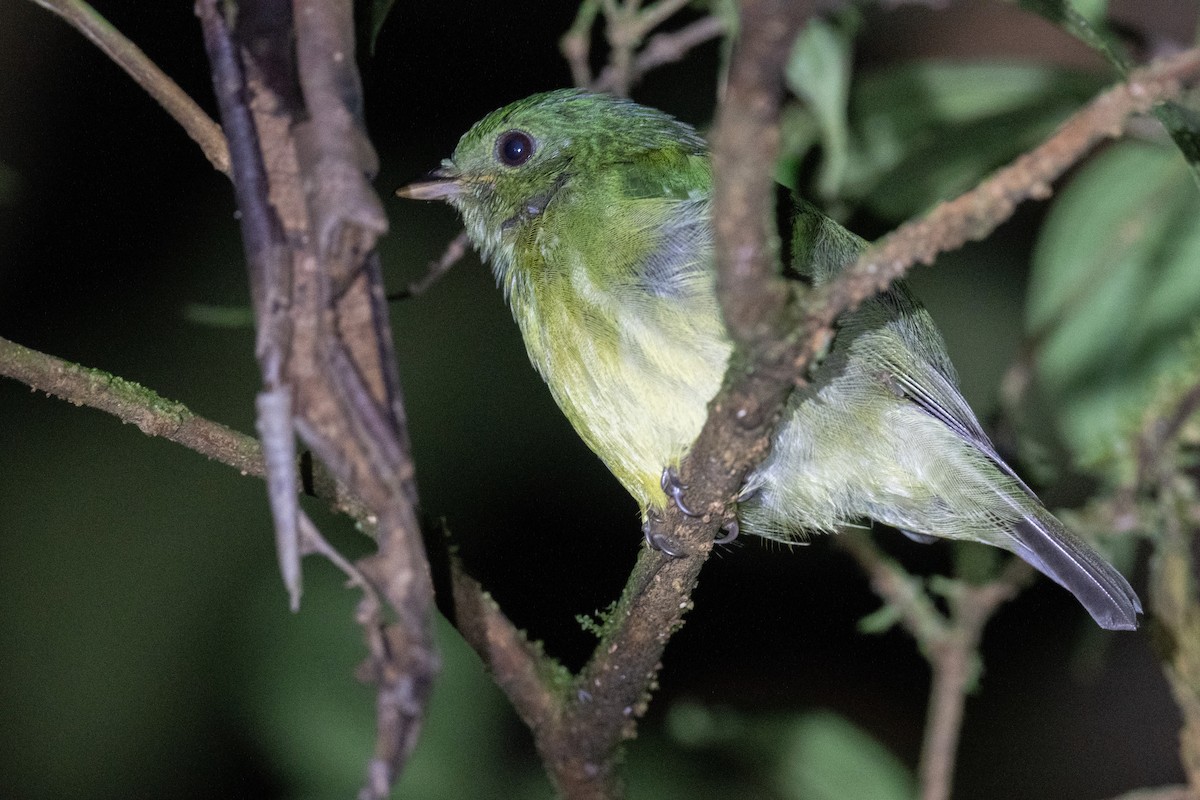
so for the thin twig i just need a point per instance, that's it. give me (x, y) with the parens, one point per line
(900, 590)
(146, 73)
(655, 15)
(954, 661)
(454, 251)
(949, 643)
(576, 43)
(665, 48)
(628, 25)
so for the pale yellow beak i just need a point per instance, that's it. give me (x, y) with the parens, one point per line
(442, 188)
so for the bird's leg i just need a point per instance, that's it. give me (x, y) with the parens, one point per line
(672, 484)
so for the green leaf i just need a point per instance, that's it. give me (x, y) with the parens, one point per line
(1087, 28)
(380, 9)
(929, 131)
(826, 757)
(1182, 123)
(9, 185)
(881, 620)
(818, 71)
(210, 315)
(1113, 290)
(1094, 11)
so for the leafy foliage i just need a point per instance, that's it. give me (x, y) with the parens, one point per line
(1113, 290)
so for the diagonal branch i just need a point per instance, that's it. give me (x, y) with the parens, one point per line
(153, 414)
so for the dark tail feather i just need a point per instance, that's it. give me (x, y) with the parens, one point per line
(1058, 554)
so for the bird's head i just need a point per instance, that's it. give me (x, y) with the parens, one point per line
(511, 164)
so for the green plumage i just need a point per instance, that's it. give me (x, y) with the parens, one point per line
(595, 216)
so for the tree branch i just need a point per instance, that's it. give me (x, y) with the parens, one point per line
(290, 97)
(662, 49)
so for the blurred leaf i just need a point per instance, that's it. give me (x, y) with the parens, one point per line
(1094, 11)
(380, 9)
(800, 132)
(881, 620)
(818, 71)
(9, 184)
(1114, 287)
(929, 131)
(1085, 27)
(826, 757)
(811, 756)
(215, 316)
(314, 718)
(976, 563)
(1182, 123)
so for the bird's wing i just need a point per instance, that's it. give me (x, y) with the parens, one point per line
(821, 248)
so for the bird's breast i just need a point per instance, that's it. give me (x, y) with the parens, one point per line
(633, 372)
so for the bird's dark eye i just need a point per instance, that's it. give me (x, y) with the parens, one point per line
(514, 148)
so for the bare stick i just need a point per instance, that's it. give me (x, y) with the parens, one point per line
(146, 73)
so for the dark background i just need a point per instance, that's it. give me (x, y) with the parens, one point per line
(146, 645)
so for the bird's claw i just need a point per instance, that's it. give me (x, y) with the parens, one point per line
(663, 544)
(731, 528)
(673, 485)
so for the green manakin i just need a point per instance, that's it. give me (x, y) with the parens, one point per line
(595, 216)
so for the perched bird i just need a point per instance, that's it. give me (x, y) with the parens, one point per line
(595, 214)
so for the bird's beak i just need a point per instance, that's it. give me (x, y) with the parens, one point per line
(444, 186)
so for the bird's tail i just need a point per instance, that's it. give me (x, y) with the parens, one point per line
(1043, 542)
